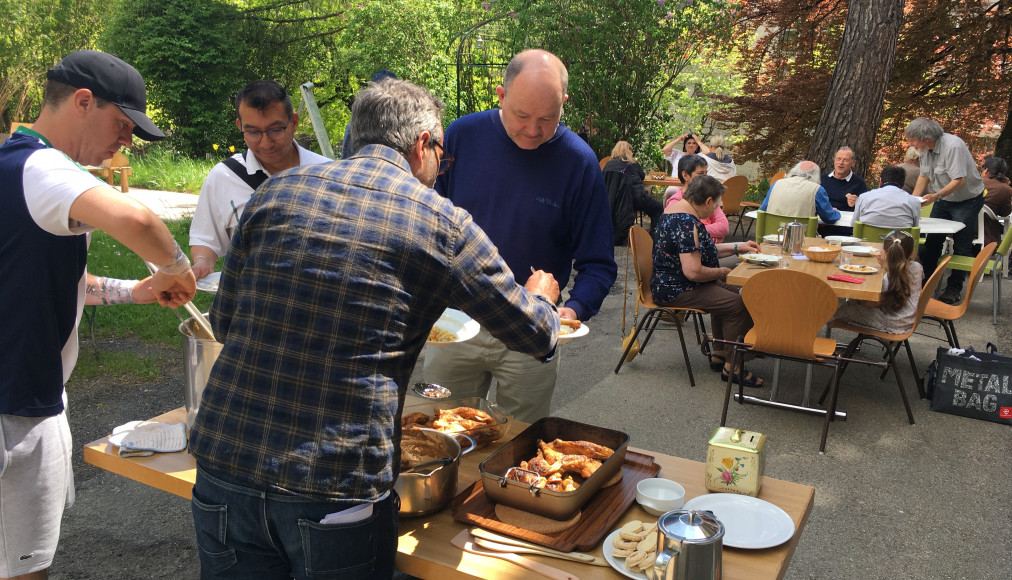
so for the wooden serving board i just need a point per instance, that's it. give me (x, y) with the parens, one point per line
(473, 507)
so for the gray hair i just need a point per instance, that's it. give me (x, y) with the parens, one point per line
(923, 128)
(394, 112)
(845, 148)
(807, 169)
(911, 155)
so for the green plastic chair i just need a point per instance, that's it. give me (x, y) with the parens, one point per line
(871, 233)
(769, 223)
(993, 267)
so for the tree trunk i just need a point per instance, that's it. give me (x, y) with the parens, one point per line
(857, 92)
(1003, 148)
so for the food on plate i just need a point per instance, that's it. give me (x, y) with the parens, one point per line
(637, 543)
(561, 462)
(441, 335)
(568, 326)
(858, 269)
(418, 447)
(474, 422)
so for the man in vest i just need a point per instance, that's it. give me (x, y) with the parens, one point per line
(93, 104)
(267, 121)
(800, 195)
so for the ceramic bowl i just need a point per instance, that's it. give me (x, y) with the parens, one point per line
(658, 495)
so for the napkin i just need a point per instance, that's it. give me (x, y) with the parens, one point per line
(143, 438)
(845, 278)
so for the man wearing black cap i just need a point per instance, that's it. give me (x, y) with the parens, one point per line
(93, 103)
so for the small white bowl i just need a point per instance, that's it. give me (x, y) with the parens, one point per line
(657, 496)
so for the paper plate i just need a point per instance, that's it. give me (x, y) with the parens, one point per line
(618, 563)
(844, 239)
(749, 522)
(858, 250)
(584, 330)
(458, 323)
(209, 283)
(858, 269)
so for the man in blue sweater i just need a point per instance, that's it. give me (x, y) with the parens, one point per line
(536, 189)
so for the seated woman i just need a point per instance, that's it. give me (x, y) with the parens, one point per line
(627, 195)
(689, 166)
(721, 166)
(901, 289)
(687, 272)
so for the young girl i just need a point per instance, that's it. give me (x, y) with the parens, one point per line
(901, 289)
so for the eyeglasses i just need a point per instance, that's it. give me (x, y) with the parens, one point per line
(274, 133)
(445, 159)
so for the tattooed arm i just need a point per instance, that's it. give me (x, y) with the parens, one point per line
(100, 290)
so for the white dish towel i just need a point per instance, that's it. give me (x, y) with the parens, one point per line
(142, 438)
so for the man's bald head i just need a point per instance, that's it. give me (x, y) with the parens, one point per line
(536, 60)
(531, 97)
(806, 169)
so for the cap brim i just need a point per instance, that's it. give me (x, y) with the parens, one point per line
(144, 127)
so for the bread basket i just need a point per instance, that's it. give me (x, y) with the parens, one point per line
(821, 253)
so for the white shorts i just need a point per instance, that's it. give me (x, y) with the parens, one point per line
(36, 485)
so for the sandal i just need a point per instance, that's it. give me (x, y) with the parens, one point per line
(750, 380)
(717, 362)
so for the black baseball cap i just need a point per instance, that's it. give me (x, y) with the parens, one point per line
(111, 79)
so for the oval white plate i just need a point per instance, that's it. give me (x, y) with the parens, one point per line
(844, 239)
(584, 330)
(457, 322)
(845, 267)
(772, 238)
(209, 283)
(618, 563)
(749, 522)
(858, 250)
(760, 258)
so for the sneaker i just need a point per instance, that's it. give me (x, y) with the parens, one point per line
(950, 295)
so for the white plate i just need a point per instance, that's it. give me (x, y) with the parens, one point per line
(618, 563)
(209, 283)
(584, 330)
(749, 522)
(458, 323)
(873, 269)
(760, 258)
(858, 250)
(772, 238)
(844, 239)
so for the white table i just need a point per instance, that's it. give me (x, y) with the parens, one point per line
(929, 225)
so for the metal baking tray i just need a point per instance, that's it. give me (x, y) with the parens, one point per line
(553, 504)
(481, 435)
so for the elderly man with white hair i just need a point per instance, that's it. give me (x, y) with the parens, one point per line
(800, 194)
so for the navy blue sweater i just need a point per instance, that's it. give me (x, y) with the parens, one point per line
(545, 208)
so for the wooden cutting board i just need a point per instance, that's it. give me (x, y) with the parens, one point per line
(473, 507)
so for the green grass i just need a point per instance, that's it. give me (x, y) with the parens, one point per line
(93, 363)
(150, 322)
(160, 168)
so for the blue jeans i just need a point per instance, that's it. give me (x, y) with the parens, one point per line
(244, 532)
(962, 241)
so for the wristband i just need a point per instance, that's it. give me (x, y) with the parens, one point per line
(112, 290)
(180, 264)
(736, 249)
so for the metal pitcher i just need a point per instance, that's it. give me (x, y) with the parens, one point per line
(690, 546)
(793, 236)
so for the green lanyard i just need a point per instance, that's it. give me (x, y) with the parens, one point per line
(40, 137)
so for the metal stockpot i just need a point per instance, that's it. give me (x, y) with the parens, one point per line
(200, 356)
(429, 491)
(690, 546)
(793, 236)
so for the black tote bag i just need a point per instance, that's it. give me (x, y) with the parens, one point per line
(974, 384)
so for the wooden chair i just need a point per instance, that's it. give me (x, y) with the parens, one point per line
(870, 233)
(604, 161)
(788, 308)
(641, 245)
(734, 192)
(778, 176)
(118, 163)
(891, 342)
(769, 223)
(994, 267)
(945, 314)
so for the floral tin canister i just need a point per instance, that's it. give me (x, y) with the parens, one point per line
(735, 461)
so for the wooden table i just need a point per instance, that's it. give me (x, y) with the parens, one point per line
(928, 225)
(666, 182)
(424, 544)
(871, 289)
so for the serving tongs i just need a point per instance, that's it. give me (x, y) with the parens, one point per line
(201, 327)
(499, 543)
(466, 542)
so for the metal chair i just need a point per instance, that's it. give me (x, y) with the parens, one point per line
(769, 223)
(994, 267)
(734, 192)
(891, 342)
(788, 308)
(641, 245)
(870, 233)
(945, 314)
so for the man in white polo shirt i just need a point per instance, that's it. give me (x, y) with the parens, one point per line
(889, 206)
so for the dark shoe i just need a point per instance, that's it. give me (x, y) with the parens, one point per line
(717, 362)
(950, 295)
(749, 380)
